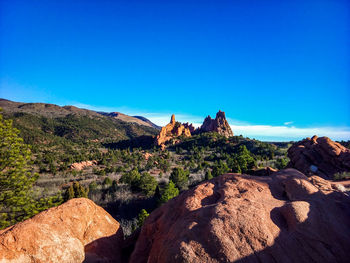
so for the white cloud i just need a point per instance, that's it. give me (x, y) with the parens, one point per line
(283, 133)
(261, 132)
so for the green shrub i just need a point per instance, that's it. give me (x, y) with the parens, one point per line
(131, 178)
(208, 175)
(76, 190)
(142, 217)
(107, 181)
(170, 191)
(281, 163)
(92, 186)
(180, 178)
(342, 176)
(220, 168)
(147, 184)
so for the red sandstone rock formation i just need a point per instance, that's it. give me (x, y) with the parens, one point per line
(319, 156)
(172, 130)
(81, 165)
(241, 218)
(76, 231)
(189, 126)
(219, 125)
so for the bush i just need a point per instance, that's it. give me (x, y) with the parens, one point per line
(147, 184)
(281, 163)
(208, 175)
(76, 190)
(131, 178)
(179, 178)
(170, 191)
(342, 176)
(220, 168)
(107, 181)
(142, 217)
(92, 186)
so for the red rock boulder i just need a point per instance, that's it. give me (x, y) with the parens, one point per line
(75, 231)
(241, 218)
(319, 156)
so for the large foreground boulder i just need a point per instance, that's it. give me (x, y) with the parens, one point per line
(241, 218)
(319, 156)
(75, 231)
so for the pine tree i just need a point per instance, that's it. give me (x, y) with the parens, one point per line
(170, 191)
(16, 177)
(179, 178)
(147, 184)
(76, 190)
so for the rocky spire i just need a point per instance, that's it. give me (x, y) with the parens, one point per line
(219, 125)
(172, 120)
(171, 131)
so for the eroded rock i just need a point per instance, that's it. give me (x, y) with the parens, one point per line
(81, 165)
(241, 218)
(172, 130)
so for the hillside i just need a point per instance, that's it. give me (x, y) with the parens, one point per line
(131, 119)
(49, 123)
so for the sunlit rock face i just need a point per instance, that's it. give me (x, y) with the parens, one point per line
(319, 156)
(75, 231)
(286, 217)
(172, 130)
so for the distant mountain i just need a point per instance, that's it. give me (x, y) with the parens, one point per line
(148, 121)
(40, 122)
(133, 119)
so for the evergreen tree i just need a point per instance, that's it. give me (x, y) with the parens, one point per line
(147, 184)
(76, 190)
(169, 192)
(220, 168)
(179, 178)
(16, 177)
(132, 178)
(281, 163)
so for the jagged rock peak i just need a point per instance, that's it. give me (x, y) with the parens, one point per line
(172, 130)
(219, 125)
(172, 120)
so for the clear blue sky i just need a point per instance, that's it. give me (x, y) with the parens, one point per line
(274, 63)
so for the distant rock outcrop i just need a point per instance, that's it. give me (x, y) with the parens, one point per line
(76, 231)
(81, 165)
(219, 125)
(319, 156)
(240, 218)
(172, 130)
